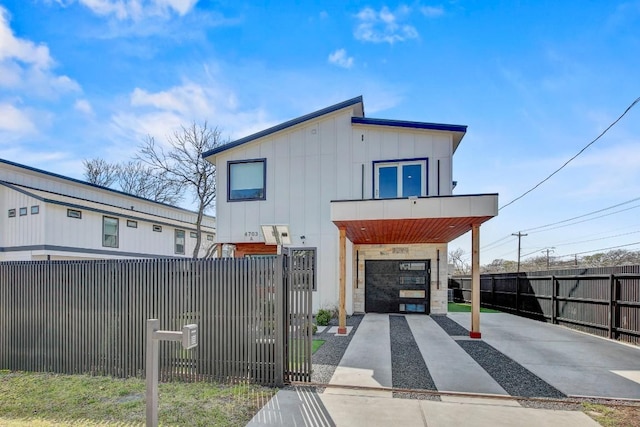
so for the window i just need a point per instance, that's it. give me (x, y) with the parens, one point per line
(210, 237)
(131, 223)
(193, 235)
(35, 210)
(403, 178)
(109, 232)
(12, 213)
(157, 228)
(23, 211)
(246, 180)
(179, 238)
(72, 213)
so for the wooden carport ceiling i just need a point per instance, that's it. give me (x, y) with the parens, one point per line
(409, 230)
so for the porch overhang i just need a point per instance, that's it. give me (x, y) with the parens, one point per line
(438, 219)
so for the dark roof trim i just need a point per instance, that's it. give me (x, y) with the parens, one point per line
(285, 125)
(99, 187)
(406, 124)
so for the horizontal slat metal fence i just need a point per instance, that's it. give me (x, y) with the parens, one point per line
(89, 317)
(603, 301)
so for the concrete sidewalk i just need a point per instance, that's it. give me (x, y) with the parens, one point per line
(300, 407)
(570, 361)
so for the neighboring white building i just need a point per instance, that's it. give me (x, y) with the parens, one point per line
(378, 192)
(50, 216)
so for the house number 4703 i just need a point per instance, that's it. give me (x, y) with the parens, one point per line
(250, 234)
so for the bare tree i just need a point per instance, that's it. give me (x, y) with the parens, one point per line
(136, 178)
(183, 165)
(100, 172)
(460, 266)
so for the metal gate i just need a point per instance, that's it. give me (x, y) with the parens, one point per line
(300, 269)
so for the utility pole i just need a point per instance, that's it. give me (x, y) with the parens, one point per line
(520, 236)
(548, 250)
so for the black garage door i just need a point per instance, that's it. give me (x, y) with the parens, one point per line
(397, 286)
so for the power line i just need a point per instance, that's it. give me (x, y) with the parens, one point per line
(571, 159)
(582, 216)
(586, 220)
(600, 238)
(601, 249)
(496, 241)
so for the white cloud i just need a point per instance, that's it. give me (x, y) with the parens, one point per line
(14, 121)
(384, 26)
(135, 9)
(83, 106)
(341, 59)
(432, 11)
(159, 114)
(26, 67)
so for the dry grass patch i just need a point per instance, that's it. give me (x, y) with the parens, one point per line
(37, 399)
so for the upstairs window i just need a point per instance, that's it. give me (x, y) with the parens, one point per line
(179, 242)
(23, 211)
(400, 179)
(73, 213)
(246, 180)
(109, 232)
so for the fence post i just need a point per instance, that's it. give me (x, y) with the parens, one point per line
(612, 306)
(281, 334)
(493, 291)
(517, 293)
(554, 300)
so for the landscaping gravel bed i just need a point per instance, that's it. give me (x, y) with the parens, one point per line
(451, 327)
(328, 356)
(512, 376)
(408, 369)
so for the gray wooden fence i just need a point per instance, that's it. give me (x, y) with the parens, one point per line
(604, 301)
(89, 317)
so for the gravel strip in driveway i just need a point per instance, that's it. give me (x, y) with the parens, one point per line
(326, 359)
(512, 376)
(408, 369)
(451, 327)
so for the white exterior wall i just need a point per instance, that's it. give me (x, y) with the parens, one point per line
(308, 166)
(52, 233)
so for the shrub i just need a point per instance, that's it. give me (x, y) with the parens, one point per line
(323, 317)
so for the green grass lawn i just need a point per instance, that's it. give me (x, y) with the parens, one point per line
(315, 345)
(37, 399)
(455, 307)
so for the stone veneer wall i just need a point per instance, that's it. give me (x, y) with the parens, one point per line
(401, 252)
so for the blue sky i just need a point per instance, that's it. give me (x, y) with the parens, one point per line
(534, 81)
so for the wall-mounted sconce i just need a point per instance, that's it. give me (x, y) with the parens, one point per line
(303, 239)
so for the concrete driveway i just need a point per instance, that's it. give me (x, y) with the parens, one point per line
(571, 362)
(575, 363)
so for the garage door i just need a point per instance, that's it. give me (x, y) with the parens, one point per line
(393, 286)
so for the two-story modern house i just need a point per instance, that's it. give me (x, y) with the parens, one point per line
(372, 196)
(46, 216)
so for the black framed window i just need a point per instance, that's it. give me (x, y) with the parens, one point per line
(23, 211)
(246, 180)
(179, 242)
(157, 228)
(110, 232)
(12, 213)
(73, 213)
(35, 209)
(132, 224)
(193, 235)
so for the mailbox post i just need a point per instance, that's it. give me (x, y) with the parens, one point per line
(189, 339)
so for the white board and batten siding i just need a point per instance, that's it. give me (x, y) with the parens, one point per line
(308, 166)
(52, 233)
